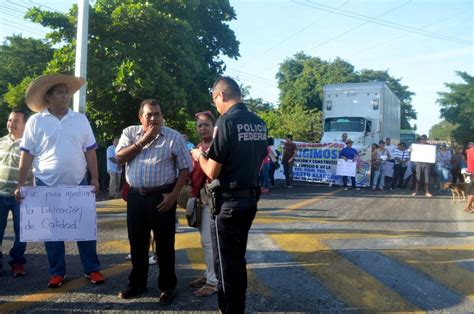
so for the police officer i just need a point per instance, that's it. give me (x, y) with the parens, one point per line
(234, 158)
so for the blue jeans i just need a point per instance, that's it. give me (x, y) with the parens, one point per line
(17, 251)
(56, 252)
(264, 182)
(442, 172)
(378, 173)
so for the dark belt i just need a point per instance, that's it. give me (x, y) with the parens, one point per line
(239, 193)
(154, 190)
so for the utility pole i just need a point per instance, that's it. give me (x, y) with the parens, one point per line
(79, 104)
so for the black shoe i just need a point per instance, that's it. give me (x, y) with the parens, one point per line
(131, 292)
(167, 296)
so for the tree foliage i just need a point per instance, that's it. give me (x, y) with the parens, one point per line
(301, 80)
(442, 131)
(20, 58)
(303, 124)
(138, 49)
(457, 107)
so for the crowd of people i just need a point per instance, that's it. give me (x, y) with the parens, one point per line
(56, 146)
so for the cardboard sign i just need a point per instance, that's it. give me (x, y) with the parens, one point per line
(60, 213)
(346, 168)
(423, 153)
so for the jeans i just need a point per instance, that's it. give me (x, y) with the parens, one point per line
(206, 242)
(17, 251)
(56, 252)
(378, 173)
(442, 172)
(264, 182)
(288, 170)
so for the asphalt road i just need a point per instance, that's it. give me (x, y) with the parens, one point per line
(312, 248)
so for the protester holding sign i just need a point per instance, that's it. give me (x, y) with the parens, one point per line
(349, 153)
(61, 146)
(423, 154)
(9, 161)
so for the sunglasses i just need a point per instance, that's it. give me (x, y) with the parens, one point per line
(206, 113)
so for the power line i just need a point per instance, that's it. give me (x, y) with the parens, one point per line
(254, 77)
(357, 26)
(294, 34)
(22, 28)
(43, 6)
(385, 23)
(405, 34)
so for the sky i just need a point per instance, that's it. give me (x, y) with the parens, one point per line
(421, 42)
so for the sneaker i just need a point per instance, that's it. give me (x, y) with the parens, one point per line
(18, 270)
(357, 189)
(55, 281)
(95, 277)
(428, 194)
(345, 188)
(129, 256)
(290, 186)
(152, 260)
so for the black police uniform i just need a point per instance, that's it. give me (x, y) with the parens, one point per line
(239, 145)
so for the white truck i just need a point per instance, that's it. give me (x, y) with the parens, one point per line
(367, 112)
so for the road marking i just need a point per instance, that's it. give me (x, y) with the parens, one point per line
(440, 263)
(344, 279)
(308, 202)
(41, 296)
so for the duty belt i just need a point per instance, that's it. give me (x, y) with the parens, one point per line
(154, 190)
(239, 193)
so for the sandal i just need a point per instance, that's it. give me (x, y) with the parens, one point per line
(206, 290)
(198, 282)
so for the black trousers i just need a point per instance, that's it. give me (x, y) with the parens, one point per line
(229, 232)
(398, 176)
(344, 181)
(142, 217)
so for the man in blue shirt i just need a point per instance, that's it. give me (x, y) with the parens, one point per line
(348, 153)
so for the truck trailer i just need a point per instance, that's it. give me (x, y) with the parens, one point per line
(367, 112)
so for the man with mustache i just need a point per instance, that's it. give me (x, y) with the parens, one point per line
(153, 154)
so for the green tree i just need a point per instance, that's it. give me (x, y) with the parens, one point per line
(442, 131)
(301, 80)
(304, 125)
(20, 58)
(457, 107)
(138, 49)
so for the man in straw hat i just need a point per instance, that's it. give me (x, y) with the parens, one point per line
(61, 146)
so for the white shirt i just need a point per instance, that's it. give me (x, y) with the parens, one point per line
(112, 166)
(58, 146)
(391, 149)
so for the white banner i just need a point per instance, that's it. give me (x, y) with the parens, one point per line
(423, 153)
(61, 213)
(346, 168)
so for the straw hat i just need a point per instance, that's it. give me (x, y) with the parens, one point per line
(35, 95)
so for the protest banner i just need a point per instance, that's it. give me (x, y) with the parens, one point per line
(317, 162)
(60, 213)
(346, 168)
(423, 153)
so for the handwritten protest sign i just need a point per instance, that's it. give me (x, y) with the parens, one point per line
(423, 153)
(61, 213)
(346, 168)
